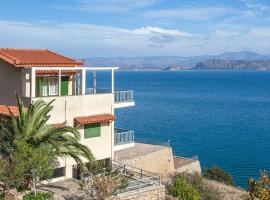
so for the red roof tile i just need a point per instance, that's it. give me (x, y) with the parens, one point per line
(59, 125)
(93, 119)
(6, 110)
(36, 58)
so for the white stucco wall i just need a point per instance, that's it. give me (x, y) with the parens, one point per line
(66, 108)
(10, 83)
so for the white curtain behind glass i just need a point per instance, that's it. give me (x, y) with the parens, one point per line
(53, 86)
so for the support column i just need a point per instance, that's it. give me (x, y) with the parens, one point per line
(59, 82)
(83, 78)
(33, 82)
(112, 81)
(94, 82)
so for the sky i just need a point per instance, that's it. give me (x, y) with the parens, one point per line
(128, 28)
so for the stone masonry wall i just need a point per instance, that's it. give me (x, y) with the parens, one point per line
(160, 162)
(157, 193)
(193, 167)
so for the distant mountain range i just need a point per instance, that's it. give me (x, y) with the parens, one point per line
(229, 60)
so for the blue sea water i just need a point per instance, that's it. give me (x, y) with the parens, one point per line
(223, 117)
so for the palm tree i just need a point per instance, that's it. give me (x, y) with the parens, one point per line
(32, 127)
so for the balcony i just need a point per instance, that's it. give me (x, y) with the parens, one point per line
(123, 139)
(122, 98)
(76, 81)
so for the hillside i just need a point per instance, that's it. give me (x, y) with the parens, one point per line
(234, 64)
(181, 63)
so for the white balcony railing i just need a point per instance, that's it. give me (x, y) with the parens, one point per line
(123, 96)
(120, 96)
(122, 136)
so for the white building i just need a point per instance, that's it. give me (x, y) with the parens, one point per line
(42, 74)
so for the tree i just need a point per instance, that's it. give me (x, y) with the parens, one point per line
(25, 164)
(259, 188)
(32, 132)
(217, 174)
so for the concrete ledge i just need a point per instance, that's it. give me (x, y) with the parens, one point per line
(187, 165)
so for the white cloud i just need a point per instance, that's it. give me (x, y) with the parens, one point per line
(158, 30)
(251, 4)
(226, 33)
(109, 6)
(260, 32)
(191, 13)
(88, 40)
(85, 40)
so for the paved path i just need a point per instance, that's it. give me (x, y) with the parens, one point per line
(68, 189)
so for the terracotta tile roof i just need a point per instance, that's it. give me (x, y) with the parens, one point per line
(93, 119)
(55, 72)
(6, 110)
(36, 58)
(59, 125)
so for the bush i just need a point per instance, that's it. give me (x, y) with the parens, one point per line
(181, 189)
(259, 189)
(206, 191)
(38, 196)
(217, 174)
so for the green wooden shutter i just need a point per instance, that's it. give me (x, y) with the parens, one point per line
(64, 85)
(91, 130)
(40, 82)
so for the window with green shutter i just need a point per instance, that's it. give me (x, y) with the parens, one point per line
(64, 85)
(91, 130)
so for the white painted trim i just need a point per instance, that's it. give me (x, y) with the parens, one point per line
(112, 80)
(33, 82)
(83, 80)
(124, 104)
(59, 82)
(75, 68)
(123, 146)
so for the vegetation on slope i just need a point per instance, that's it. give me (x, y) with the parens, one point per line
(217, 174)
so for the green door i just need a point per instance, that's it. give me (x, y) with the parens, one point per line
(64, 86)
(39, 86)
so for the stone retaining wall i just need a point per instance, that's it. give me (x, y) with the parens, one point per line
(157, 193)
(159, 162)
(193, 166)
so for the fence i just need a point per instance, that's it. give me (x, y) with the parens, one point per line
(140, 178)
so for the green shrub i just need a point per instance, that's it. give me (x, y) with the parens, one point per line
(206, 191)
(38, 196)
(217, 174)
(259, 189)
(181, 189)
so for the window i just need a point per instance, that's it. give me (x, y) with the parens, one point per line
(53, 85)
(47, 86)
(91, 130)
(59, 172)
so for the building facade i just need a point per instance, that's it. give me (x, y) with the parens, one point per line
(78, 102)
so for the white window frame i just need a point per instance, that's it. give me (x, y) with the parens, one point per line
(49, 81)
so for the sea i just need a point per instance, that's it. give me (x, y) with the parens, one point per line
(220, 117)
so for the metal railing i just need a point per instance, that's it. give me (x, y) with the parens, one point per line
(97, 91)
(122, 136)
(140, 178)
(123, 96)
(120, 96)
